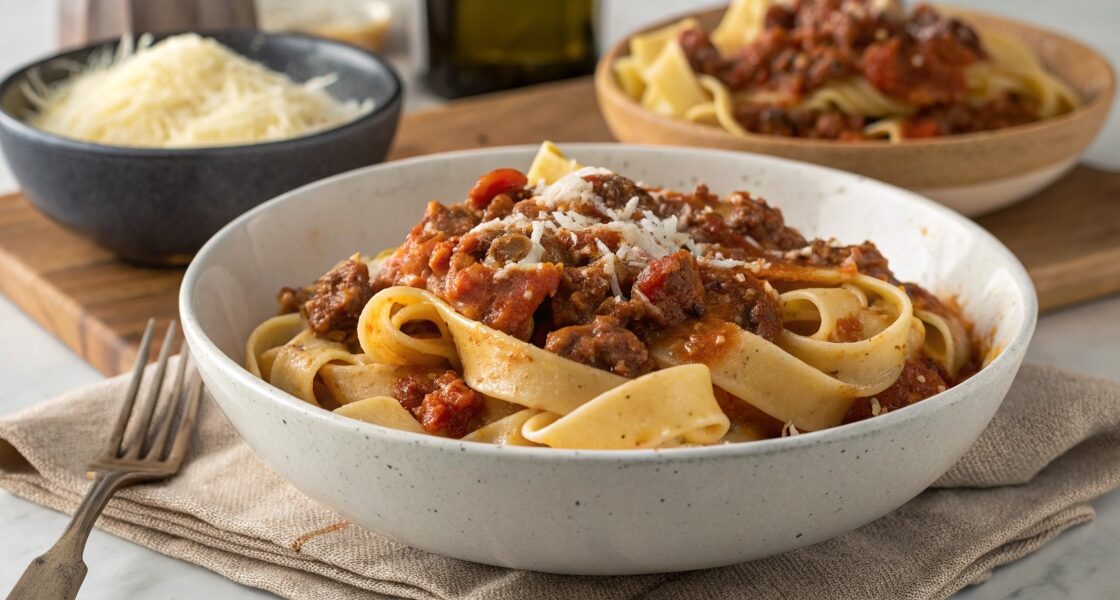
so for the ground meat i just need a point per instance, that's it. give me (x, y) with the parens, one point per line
(736, 297)
(924, 63)
(922, 299)
(926, 24)
(499, 208)
(290, 300)
(702, 54)
(919, 57)
(835, 125)
(507, 248)
(914, 73)
(529, 208)
(920, 379)
(557, 249)
(505, 303)
(864, 258)
(412, 263)
(603, 344)
(334, 302)
(442, 255)
(673, 288)
(801, 47)
(410, 388)
(616, 191)
(709, 227)
(773, 119)
(1003, 111)
(582, 247)
(453, 220)
(684, 206)
(442, 403)
(763, 223)
(475, 245)
(581, 292)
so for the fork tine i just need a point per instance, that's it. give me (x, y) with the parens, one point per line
(133, 387)
(159, 446)
(140, 434)
(186, 422)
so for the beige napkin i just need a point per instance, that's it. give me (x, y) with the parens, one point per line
(1053, 446)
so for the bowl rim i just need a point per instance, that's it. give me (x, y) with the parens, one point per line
(1012, 351)
(607, 85)
(20, 126)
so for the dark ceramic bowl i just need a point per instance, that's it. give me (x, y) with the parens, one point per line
(160, 205)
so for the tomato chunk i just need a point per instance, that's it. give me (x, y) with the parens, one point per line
(493, 183)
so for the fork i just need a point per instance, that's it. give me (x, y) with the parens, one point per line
(149, 452)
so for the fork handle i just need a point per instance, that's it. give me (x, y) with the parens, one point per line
(60, 571)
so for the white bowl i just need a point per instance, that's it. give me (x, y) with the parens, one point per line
(601, 512)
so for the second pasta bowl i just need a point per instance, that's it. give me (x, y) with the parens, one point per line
(973, 173)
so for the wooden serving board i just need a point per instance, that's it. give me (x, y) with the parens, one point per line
(1068, 236)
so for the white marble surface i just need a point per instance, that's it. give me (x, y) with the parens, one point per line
(1079, 564)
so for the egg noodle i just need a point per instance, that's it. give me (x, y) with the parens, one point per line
(657, 73)
(715, 373)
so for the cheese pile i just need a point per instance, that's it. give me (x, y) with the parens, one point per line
(185, 91)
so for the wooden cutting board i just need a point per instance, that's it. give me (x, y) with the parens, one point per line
(1068, 236)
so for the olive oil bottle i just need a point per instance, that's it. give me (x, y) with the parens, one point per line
(479, 46)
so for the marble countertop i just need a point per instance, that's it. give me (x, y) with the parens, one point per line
(1080, 563)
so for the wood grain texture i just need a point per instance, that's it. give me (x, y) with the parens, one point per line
(562, 112)
(1068, 236)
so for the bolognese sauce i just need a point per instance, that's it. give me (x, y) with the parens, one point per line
(599, 269)
(918, 57)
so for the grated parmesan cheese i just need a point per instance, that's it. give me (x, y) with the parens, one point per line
(628, 210)
(185, 91)
(609, 267)
(537, 251)
(718, 261)
(572, 188)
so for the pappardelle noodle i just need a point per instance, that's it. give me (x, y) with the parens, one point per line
(840, 69)
(572, 307)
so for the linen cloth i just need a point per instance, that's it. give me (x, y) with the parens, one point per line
(1053, 446)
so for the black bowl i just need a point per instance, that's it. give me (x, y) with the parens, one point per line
(159, 206)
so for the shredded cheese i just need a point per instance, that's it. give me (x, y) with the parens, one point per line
(185, 91)
(609, 267)
(537, 251)
(572, 188)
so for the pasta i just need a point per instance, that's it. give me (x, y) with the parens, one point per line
(571, 307)
(840, 69)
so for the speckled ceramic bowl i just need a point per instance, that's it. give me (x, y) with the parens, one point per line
(159, 206)
(973, 173)
(600, 512)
